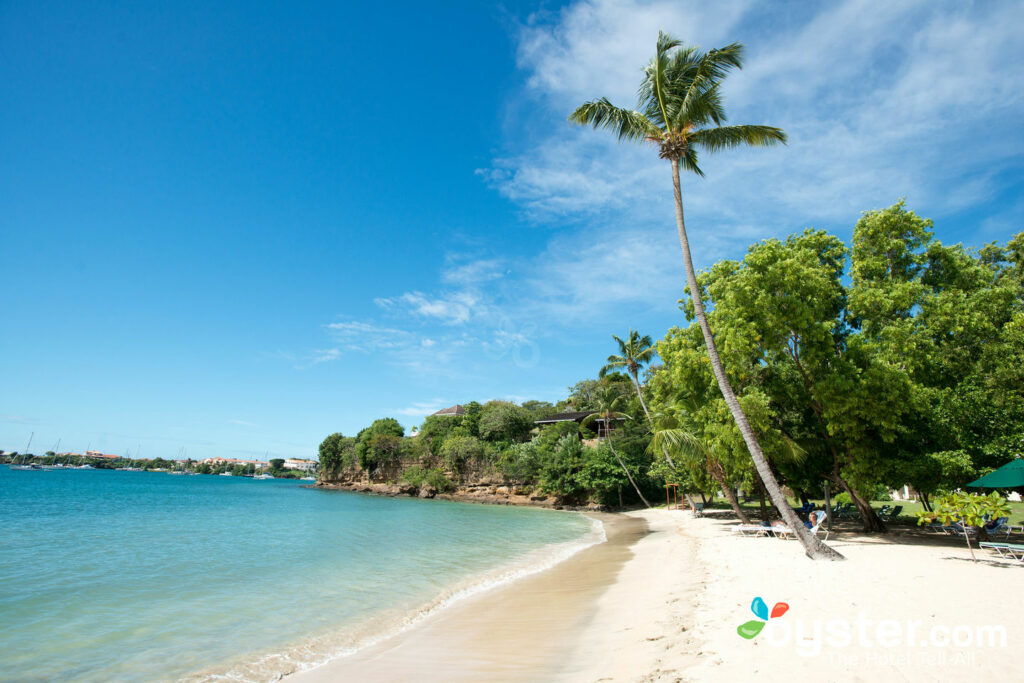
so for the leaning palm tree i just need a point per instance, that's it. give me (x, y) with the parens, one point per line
(681, 112)
(633, 354)
(609, 403)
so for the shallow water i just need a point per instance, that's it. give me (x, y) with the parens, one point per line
(145, 576)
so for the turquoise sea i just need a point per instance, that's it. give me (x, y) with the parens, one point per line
(118, 576)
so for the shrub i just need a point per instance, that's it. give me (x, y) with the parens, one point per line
(418, 476)
(519, 463)
(458, 450)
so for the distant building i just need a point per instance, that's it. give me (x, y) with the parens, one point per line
(578, 417)
(300, 464)
(97, 454)
(455, 411)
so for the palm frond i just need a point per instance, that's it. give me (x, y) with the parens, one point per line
(726, 137)
(701, 106)
(679, 443)
(613, 363)
(627, 124)
(689, 161)
(666, 43)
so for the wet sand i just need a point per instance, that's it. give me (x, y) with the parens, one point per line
(528, 630)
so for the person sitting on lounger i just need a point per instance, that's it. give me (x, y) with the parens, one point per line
(814, 519)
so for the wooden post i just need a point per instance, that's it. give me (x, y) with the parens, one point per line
(672, 501)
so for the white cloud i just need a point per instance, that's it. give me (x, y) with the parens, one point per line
(422, 408)
(880, 101)
(464, 271)
(452, 308)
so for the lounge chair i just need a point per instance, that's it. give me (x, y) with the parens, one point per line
(889, 515)
(786, 532)
(751, 529)
(697, 509)
(959, 529)
(1000, 526)
(848, 512)
(1011, 551)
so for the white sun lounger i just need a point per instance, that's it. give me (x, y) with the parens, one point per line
(751, 530)
(1010, 551)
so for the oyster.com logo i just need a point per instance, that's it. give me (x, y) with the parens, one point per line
(760, 610)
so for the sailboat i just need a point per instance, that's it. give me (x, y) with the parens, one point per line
(53, 463)
(22, 467)
(263, 474)
(174, 468)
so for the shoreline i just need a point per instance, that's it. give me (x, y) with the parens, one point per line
(662, 599)
(483, 494)
(521, 630)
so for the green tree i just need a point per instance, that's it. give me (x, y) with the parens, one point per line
(784, 307)
(609, 404)
(504, 421)
(277, 463)
(680, 112)
(333, 451)
(379, 443)
(672, 438)
(460, 450)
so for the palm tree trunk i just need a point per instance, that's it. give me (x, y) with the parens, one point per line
(765, 517)
(814, 548)
(640, 395)
(730, 495)
(626, 470)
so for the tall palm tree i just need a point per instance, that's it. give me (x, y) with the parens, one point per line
(633, 354)
(680, 111)
(609, 403)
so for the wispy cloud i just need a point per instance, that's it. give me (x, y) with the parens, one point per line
(422, 408)
(879, 101)
(467, 271)
(243, 423)
(453, 308)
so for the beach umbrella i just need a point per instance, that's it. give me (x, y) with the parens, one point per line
(1009, 476)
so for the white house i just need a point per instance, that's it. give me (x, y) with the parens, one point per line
(300, 464)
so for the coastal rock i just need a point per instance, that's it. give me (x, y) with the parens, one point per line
(427, 491)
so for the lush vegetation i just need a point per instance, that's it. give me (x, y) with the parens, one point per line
(891, 360)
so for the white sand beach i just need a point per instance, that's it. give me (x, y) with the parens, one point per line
(661, 601)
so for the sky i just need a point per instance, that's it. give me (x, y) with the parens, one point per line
(234, 228)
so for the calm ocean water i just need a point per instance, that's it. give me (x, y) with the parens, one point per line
(108, 576)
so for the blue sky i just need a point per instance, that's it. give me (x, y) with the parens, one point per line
(236, 228)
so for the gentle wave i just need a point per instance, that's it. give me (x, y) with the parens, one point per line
(349, 640)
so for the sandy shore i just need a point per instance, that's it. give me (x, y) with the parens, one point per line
(661, 601)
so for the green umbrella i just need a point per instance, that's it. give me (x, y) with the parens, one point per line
(1009, 476)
